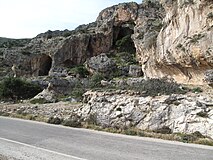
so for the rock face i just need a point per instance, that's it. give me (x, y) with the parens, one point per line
(135, 71)
(181, 113)
(171, 38)
(209, 77)
(184, 48)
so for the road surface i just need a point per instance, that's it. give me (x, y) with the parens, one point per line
(28, 140)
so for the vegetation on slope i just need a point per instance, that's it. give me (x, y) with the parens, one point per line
(17, 89)
(9, 43)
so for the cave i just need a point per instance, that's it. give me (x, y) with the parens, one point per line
(122, 40)
(45, 65)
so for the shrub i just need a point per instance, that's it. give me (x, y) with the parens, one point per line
(154, 87)
(92, 119)
(208, 142)
(210, 15)
(131, 131)
(79, 70)
(66, 34)
(73, 121)
(38, 101)
(188, 138)
(193, 137)
(95, 80)
(4, 114)
(197, 90)
(198, 134)
(163, 130)
(77, 93)
(203, 114)
(16, 88)
(54, 120)
(124, 59)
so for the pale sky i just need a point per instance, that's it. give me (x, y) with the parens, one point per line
(27, 18)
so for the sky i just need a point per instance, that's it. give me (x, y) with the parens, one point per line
(28, 18)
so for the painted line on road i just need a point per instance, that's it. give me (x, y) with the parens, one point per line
(42, 149)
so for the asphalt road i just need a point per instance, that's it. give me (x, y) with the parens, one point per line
(27, 140)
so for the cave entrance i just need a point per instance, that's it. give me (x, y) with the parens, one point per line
(122, 41)
(45, 65)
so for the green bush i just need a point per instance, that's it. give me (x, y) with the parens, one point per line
(54, 120)
(131, 131)
(77, 93)
(163, 130)
(95, 80)
(124, 59)
(186, 138)
(38, 101)
(79, 70)
(17, 89)
(73, 121)
(154, 87)
(193, 137)
(197, 90)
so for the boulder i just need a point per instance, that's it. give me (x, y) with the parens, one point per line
(48, 95)
(100, 64)
(135, 71)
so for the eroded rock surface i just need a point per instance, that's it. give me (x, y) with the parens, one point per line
(184, 45)
(181, 113)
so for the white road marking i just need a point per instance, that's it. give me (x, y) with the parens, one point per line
(42, 149)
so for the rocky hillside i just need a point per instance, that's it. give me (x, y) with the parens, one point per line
(122, 68)
(170, 38)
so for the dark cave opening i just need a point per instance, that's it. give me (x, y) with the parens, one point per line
(45, 65)
(122, 40)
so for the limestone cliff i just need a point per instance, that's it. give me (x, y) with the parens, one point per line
(172, 38)
(184, 48)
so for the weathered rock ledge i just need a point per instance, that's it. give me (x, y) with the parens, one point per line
(181, 113)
